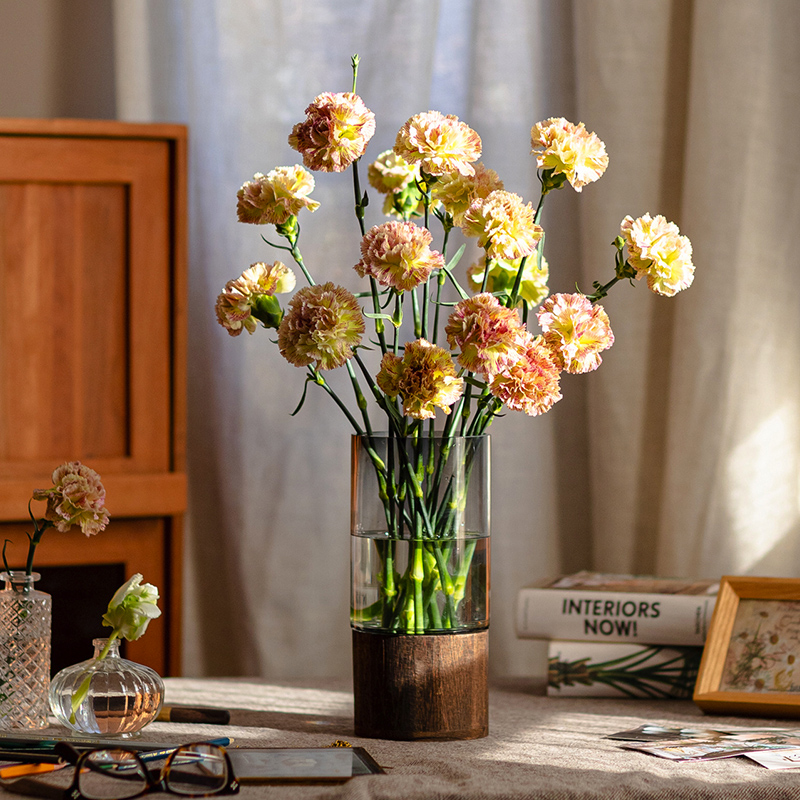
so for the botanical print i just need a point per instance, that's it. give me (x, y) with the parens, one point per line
(764, 648)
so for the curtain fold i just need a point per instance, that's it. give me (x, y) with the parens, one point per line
(678, 456)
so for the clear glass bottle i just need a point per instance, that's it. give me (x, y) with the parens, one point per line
(25, 626)
(122, 696)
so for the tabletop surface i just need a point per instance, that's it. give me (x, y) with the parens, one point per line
(538, 747)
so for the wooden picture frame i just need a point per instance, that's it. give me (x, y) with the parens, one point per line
(751, 659)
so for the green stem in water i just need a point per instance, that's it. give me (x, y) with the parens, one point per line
(83, 689)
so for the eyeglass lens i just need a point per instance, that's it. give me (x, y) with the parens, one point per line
(108, 774)
(197, 769)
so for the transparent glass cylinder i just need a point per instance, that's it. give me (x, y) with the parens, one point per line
(117, 697)
(420, 515)
(25, 628)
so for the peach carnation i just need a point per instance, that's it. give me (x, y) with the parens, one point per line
(398, 254)
(77, 497)
(575, 331)
(425, 377)
(488, 336)
(502, 275)
(504, 225)
(438, 144)
(657, 251)
(530, 384)
(336, 131)
(456, 192)
(322, 326)
(570, 150)
(277, 196)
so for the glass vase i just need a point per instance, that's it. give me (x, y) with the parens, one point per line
(420, 557)
(117, 697)
(420, 534)
(25, 627)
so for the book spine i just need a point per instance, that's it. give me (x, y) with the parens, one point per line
(600, 669)
(676, 619)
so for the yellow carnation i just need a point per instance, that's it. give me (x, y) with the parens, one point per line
(277, 196)
(425, 377)
(438, 144)
(502, 274)
(456, 192)
(503, 224)
(658, 252)
(569, 149)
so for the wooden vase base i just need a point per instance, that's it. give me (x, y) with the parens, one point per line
(427, 686)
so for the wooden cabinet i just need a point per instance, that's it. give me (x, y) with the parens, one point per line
(92, 346)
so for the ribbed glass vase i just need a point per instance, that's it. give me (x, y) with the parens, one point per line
(118, 697)
(25, 627)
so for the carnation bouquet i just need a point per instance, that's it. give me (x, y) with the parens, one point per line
(473, 352)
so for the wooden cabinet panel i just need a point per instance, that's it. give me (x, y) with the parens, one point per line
(92, 340)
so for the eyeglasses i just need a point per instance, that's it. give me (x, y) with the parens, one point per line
(192, 770)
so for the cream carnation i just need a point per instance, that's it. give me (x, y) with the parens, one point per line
(425, 377)
(277, 196)
(530, 384)
(502, 275)
(398, 254)
(504, 225)
(438, 144)
(336, 131)
(569, 149)
(242, 302)
(575, 331)
(391, 173)
(77, 497)
(488, 336)
(657, 251)
(456, 192)
(322, 326)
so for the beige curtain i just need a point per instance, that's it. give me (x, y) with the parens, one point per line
(678, 456)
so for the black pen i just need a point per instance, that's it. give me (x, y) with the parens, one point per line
(196, 714)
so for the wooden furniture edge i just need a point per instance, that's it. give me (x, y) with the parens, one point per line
(133, 495)
(100, 128)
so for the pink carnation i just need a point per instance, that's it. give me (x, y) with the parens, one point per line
(575, 331)
(398, 254)
(77, 497)
(489, 336)
(322, 326)
(336, 131)
(531, 384)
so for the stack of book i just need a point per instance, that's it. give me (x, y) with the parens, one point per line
(619, 635)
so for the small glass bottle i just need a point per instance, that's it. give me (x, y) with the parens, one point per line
(122, 696)
(25, 624)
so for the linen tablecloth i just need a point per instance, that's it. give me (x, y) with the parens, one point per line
(538, 747)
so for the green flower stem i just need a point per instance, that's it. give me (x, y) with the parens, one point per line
(319, 379)
(83, 689)
(298, 259)
(417, 318)
(418, 575)
(38, 529)
(440, 279)
(460, 583)
(514, 296)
